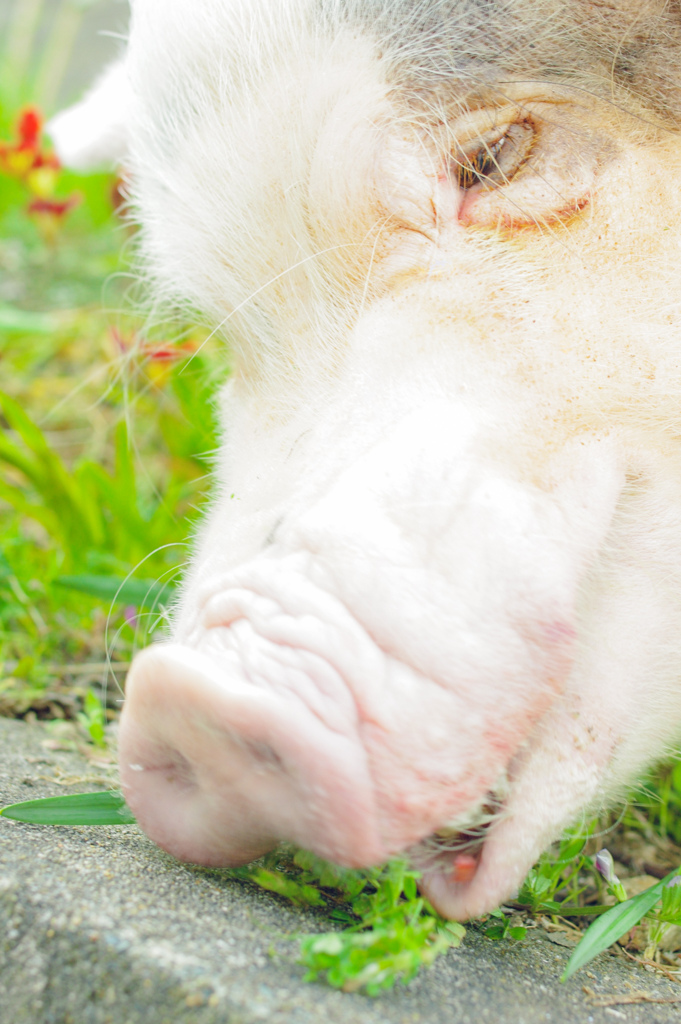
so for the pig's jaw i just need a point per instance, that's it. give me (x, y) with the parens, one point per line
(278, 717)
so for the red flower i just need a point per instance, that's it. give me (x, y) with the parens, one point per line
(29, 129)
(26, 154)
(154, 352)
(166, 353)
(29, 162)
(54, 207)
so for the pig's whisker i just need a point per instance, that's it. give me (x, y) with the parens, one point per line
(169, 574)
(378, 228)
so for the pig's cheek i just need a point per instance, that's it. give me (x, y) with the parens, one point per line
(553, 639)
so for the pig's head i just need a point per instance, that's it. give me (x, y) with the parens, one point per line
(434, 607)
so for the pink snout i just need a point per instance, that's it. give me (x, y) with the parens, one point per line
(218, 771)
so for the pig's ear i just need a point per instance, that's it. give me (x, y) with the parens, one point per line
(94, 132)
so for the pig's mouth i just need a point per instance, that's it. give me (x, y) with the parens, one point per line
(453, 854)
(457, 848)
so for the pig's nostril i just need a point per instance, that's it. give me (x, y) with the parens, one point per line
(175, 770)
(264, 756)
(271, 537)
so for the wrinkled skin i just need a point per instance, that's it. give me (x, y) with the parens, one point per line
(436, 593)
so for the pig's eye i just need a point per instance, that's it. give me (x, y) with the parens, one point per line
(494, 160)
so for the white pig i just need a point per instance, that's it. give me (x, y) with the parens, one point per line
(434, 607)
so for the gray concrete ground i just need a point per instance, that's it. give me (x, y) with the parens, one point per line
(97, 926)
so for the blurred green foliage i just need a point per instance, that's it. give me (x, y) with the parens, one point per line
(106, 431)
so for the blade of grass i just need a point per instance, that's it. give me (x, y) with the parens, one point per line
(107, 808)
(613, 924)
(551, 907)
(79, 514)
(19, 41)
(142, 593)
(56, 53)
(17, 500)
(24, 426)
(19, 320)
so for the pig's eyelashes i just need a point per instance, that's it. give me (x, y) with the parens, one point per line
(495, 159)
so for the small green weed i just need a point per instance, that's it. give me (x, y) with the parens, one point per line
(504, 929)
(389, 933)
(556, 872)
(659, 799)
(93, 719)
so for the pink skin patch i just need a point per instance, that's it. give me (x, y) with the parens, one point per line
(560, 632)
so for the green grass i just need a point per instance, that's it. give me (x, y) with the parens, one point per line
(105, 451)
(105, 439)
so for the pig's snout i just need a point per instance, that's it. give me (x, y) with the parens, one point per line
(218, 769)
